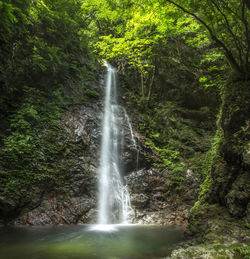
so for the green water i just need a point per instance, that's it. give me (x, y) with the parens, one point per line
(75, 242)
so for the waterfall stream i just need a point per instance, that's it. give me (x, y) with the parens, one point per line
(132, 138)
(114, 201)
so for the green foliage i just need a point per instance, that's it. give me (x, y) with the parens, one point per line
(180, 145)
(50, 42)
(211, 161)
(139, 34)
(244, 251)
(212, 154)
(92, 93)
(202, 79)
(30, 146)
(226, 24)
(171, 159)
(44, 50)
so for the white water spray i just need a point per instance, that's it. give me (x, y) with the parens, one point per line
(114, 201)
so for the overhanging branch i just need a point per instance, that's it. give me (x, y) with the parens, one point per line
(235, 66)
(236, 41)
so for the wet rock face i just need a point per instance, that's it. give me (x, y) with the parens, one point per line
(59, 211)
(133, 154)
(151, 202)
(83, 125)
(76, 201)
(229, 186)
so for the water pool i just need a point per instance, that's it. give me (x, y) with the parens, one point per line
(88, 241)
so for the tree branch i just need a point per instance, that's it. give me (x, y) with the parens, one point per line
(225, 3)
(234, 65)
(237, 43)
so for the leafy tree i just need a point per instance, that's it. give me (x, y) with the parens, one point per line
(44, 51)
(227, 24)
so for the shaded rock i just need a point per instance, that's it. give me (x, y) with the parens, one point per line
(152, 204)
(14, 205)
(246, 155)
(239, 197)
(56, 211)
(227, 185)
(139, 200)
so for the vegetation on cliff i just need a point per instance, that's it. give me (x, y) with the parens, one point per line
(181, 64)
(44, 60)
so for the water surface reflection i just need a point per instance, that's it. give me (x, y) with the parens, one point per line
(87, 242)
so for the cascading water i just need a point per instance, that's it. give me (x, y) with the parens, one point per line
(114, 201)
(132, 138)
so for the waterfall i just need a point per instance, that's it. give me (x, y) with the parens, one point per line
(114, 201)
(132, 138)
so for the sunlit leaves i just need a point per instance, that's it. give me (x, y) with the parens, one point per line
(227, 25)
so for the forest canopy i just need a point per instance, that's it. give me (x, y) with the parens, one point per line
(46, 35)
(136, 33)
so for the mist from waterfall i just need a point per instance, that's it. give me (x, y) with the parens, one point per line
(114, 205)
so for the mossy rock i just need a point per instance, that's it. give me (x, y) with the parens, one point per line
(209, 251)
(227, 175)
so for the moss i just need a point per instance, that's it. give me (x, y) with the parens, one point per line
(92, 93)
(212, 161)
(225, 179)
(33, 155)
(179, 140)
(205, 186)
